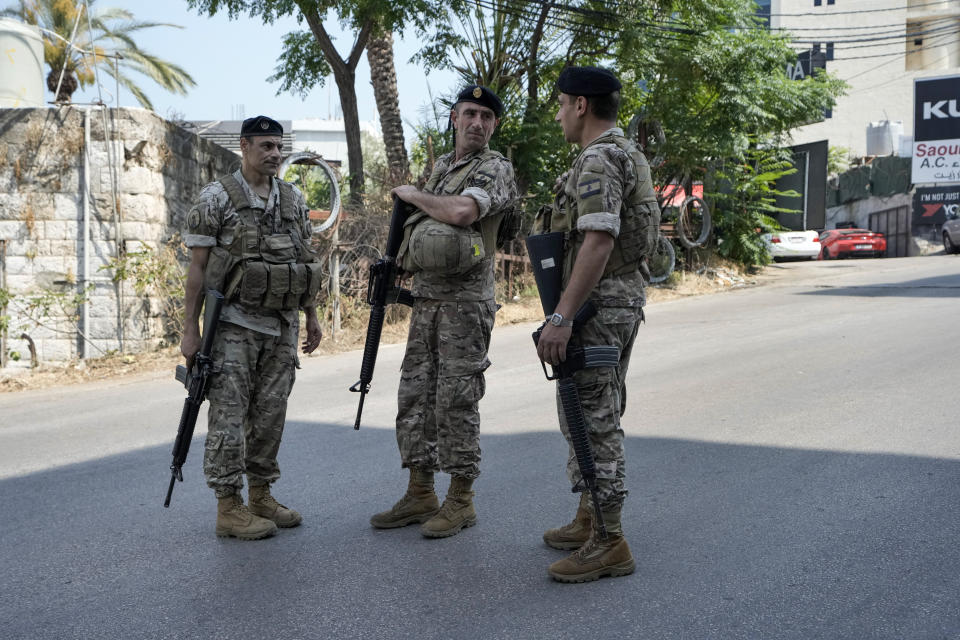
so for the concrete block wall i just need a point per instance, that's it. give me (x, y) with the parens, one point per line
(153, 167)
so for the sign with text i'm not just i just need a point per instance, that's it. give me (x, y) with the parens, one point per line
(936, 126)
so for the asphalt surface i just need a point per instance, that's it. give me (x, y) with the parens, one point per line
(794, 472)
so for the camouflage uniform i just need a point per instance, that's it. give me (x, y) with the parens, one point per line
(442, 381)
(254, 353)
(603, 191)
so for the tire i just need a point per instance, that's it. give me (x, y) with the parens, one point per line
(662, 261)
(313, 163)
(824, 254)
(694, 223)
(948, 246)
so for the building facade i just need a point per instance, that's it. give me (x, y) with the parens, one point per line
(878, 47)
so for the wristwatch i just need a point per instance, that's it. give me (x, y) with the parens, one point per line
(557, 320)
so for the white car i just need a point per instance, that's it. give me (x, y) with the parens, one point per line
(951, 234)
(793, 244)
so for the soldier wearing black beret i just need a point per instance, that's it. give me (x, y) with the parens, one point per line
(607, 209)
(260, 126)
(247, 229)
(450, 247)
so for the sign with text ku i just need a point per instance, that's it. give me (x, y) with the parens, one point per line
(936, 127)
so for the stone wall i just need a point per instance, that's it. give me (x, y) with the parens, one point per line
(149, 168)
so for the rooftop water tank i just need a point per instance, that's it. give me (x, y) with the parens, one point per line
(21, 65)
(883, 137)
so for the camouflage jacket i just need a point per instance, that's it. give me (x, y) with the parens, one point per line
(212, 221)
(592, 198)
(491, 184)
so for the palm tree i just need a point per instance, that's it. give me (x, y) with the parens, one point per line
(93, 36)
(383, 76)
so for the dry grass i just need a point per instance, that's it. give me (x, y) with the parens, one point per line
(719, 276)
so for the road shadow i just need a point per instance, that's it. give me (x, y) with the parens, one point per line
(937, 287)
(731, 541)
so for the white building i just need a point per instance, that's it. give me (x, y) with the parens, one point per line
(878, 47)
(326, 137)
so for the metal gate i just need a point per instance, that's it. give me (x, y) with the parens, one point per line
(895, 225)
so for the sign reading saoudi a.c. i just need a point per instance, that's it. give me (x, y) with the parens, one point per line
(936, 130)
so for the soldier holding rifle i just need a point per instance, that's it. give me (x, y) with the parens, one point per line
(249, 236)
(606, 207)
(450, 244)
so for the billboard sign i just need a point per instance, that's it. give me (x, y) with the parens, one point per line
(936, 127)
(932, 204)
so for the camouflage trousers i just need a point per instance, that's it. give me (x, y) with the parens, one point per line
(254, 373)
(441, 383)
(603, 394)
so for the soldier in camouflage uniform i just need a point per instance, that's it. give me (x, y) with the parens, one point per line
(607, 207)
(450, 243)
(249, 236)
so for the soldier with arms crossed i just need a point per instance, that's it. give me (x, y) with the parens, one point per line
(608, 209)
(450, 245)
(249, 236)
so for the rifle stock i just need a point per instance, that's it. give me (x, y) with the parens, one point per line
(197, 382)
(381, 291)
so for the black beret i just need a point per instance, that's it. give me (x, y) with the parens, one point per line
(481, 95)
(260, 126)
(587, 81)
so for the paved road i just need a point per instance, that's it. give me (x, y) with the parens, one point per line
(794, 469)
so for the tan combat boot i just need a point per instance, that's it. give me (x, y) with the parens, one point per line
(234, 519)
(266, 506)
(574, 534)
(456, 513)
(419, 503)
(597, 558)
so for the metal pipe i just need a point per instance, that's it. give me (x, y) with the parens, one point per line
(85, 233)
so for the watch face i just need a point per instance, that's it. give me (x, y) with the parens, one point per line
(556, 319)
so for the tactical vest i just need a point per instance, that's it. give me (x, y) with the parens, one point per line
(261, 268)
(639, 217)
(432, 245)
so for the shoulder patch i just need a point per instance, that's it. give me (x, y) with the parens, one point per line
(193, 219)
(590, 186)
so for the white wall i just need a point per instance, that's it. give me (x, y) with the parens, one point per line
(881, 84)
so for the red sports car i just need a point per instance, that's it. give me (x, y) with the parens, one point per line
(846, 243)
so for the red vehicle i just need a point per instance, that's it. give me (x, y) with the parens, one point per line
(847, 243)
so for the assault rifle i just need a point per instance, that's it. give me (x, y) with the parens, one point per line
(382, 290)
(546, 256)
(197, 382)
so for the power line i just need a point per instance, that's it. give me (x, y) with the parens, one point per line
(953, 31)
(824, 14)
(884, 35)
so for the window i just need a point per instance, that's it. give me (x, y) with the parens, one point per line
(817, 3)
(829, 51)
(830, 2)
(763, 12)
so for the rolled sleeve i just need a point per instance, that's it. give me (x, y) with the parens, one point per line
(493, 187)
(600, 221)
(481, 197)
(204, 219)
(599, 193)
(193, 240)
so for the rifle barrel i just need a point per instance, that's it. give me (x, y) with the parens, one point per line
(173, 479)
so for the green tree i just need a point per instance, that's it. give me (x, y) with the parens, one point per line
(110, 31)
(310, 55)
(705, 69)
